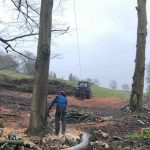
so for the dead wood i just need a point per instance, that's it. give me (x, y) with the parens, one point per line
(11, 115)
(82, 116)
(125, 108)
(19, 142)
(82, 145)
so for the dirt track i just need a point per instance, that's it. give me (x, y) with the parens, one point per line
(15, 107)
(101, 105)
(18, 104)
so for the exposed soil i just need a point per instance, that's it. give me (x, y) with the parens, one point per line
(15, 107)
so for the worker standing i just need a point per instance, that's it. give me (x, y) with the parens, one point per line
(61, 103)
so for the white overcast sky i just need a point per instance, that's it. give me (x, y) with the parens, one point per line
(107, 39)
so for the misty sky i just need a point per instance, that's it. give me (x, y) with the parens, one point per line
(107, 39)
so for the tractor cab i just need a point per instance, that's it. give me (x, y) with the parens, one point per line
(83, 90)
(83, 84)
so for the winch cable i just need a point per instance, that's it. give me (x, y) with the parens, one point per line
(77, 38)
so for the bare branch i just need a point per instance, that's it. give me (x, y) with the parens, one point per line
(23, 7)
(22, 36)
(29, 12)
(9, 46)
(56, 56)
(63, 31)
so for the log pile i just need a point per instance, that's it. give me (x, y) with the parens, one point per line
(96, 139)
(85, 116)
(82, 116)
(17, 144)
(51, 142)
(100, 140)
(26, 85)
(14, 142)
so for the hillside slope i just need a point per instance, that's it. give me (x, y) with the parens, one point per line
(13, 80)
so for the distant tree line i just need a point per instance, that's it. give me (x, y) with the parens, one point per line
(21, 63)
(18, 63)
(90, 80)
(52, 75)
(126, 87)
(113, 84)
(27, 66)
(8, 62)
(73, 77)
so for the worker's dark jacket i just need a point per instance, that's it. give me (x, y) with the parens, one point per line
(61, 102)
(60, 114)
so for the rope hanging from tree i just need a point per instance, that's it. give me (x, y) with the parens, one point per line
(77, 37)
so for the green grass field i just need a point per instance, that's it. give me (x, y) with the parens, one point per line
(105, 92)
(96, 91)
(15, 74)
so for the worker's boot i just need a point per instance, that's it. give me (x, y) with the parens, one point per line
(63, 125)
(63, 128)
(57, 125)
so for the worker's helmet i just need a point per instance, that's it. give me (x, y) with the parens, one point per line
(62, 93)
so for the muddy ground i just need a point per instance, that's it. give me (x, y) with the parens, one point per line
(15, 107)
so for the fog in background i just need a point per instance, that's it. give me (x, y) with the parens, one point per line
(107, 40)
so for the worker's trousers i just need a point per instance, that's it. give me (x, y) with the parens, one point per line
(60, 116)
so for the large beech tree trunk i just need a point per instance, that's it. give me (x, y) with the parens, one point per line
(136, 99)
(38, 117)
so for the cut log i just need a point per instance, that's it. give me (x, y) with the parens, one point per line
(83, 116)
(18, 142)
(82, 145)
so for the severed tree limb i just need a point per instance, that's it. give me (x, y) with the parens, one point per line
(19, 142)
(82, 145)
(32, 145)
(124, 107)
(3, 146)
(12, 115)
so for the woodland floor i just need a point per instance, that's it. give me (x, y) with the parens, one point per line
(15, 107)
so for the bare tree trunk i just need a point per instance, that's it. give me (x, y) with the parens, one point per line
(38, 112)
(136, 99)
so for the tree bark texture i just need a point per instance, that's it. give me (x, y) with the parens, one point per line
(136, 98)
(38, 117)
